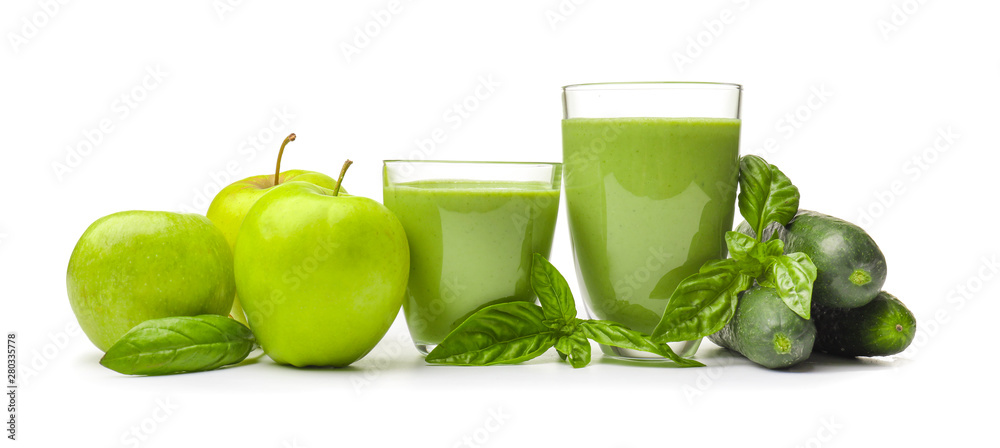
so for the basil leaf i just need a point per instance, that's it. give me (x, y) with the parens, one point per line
(616, 335)
(562, 355)
(744, 250)
(179, 344)
(766, 194)
(576, 348)
(713, 265)
(752, 267)
(505, 333)
(792, 276)
(702, 303)
(552, 290)
(772, 248)
(740, 245)
(753, 257)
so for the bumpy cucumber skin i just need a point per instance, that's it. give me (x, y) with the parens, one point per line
(766, 331)
(883, 327)
(838, 249)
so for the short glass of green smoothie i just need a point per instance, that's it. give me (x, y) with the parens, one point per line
(651, 171)
(472, 228)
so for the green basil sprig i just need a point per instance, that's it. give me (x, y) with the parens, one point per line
(704, 302)
(552, 291)
(180, 344)
(575, 349)
(793, 276)
(617, 335)
(514, 332)
(499, 334)
(766, 194)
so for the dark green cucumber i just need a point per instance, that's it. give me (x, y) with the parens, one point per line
(850, 267)
(766, 331)
(883, 327)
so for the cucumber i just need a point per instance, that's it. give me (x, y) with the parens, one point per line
(883, 327)
(850, 267)
(766, 331)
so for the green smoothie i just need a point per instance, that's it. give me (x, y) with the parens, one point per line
(649, 201)
(471, 245)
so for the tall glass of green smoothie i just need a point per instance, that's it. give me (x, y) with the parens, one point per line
(650, 174)
(472, 228)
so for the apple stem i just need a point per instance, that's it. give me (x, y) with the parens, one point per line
(347, 164)
(277, 167)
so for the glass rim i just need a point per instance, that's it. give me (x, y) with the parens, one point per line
(471, 162)
(653, 85)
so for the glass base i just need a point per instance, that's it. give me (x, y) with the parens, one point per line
(684, 349)
(424, 349)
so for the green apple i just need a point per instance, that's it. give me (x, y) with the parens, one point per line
(133, 266)
(321, 274)
(233, 202)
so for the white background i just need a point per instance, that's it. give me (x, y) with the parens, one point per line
(896, 74)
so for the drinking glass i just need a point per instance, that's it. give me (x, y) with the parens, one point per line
(650, 175)
(472, 228)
